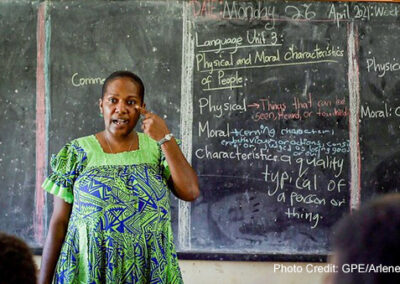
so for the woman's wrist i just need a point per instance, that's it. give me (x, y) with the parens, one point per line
(165, 139)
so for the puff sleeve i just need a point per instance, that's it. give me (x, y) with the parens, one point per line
(65, 166)
(164, 165)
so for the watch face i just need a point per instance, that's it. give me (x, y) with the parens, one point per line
(168, 136)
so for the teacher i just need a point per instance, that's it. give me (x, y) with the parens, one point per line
(111, 221)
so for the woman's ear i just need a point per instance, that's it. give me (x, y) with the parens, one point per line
(101, 105)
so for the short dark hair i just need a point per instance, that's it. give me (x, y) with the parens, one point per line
(16, 261)
(369, 236)
(123, 74)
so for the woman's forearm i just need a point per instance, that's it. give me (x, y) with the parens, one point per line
(55, 238)
(184, 178)
(51, 252)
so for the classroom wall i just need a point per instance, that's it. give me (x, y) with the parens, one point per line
(238, 272)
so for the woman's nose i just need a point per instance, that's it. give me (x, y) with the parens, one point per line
(121, 107)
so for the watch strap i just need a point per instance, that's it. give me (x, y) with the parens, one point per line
(166, 138)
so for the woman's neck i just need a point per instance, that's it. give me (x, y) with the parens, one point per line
(116, 144)
(119, 138)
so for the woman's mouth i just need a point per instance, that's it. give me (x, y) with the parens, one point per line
(120, 121)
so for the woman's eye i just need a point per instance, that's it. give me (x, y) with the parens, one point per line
(112, 100)
(131, 102)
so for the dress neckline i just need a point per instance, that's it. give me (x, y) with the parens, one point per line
(98, 145)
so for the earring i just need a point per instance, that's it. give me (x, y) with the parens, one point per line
(101, 114)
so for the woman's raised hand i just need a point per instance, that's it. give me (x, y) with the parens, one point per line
(153, 125)
(183, 178)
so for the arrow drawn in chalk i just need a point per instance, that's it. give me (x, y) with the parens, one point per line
(256, 105)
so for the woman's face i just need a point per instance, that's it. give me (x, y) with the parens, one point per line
(119, 106)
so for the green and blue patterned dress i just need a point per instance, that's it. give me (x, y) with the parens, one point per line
(120, 225)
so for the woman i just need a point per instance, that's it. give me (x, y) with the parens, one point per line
(111, 221)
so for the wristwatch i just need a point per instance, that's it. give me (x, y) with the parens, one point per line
(166, 138)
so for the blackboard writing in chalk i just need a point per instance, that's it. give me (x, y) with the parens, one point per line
(289, 159)
(287, 110)
(270, 135)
